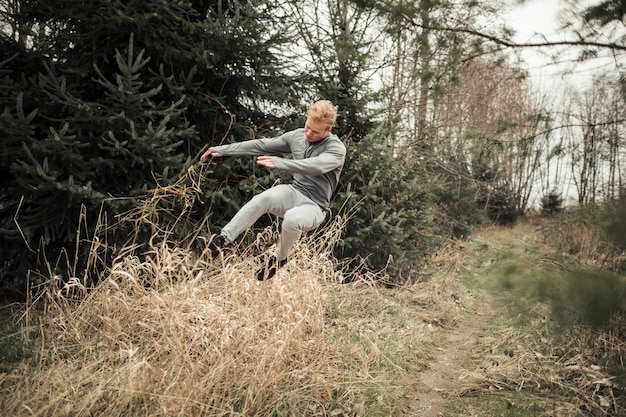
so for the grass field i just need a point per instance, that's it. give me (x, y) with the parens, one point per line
(173, 334)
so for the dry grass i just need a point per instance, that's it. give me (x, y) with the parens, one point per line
(570, 374)
(175, 335)
(198, 341)
(584, 241)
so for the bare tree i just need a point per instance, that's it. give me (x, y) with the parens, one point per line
(426, 61)
(9, 24)
(595, 131)
(493, 121)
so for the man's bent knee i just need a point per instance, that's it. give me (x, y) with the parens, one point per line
(297, 222)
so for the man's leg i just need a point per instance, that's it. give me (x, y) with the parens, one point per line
(303, 217)
(276, 200)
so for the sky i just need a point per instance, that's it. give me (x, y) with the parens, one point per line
(537, 21)
(534, 17)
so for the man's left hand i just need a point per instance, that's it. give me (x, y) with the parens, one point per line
(265, 161)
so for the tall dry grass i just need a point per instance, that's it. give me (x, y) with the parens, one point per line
(173, 332)
(584, 241)
(174, 335)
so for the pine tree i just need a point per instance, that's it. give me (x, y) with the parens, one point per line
(388, 209)
(95, 119)
(97, 156)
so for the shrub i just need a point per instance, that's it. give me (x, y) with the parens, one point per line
(500, 207)
(551, 203)
(387, 209)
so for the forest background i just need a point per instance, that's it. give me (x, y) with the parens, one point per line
(106, 106)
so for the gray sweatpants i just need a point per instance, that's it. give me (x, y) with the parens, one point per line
(299, 214)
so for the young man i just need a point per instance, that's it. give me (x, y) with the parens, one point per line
(317, 160)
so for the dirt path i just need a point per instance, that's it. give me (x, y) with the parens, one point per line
(445, 377)
(442, 380)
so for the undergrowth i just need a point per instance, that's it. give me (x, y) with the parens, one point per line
(559, 349)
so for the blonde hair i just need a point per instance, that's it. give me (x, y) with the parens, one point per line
(323, 111)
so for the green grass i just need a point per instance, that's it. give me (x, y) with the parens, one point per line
(15, 343)
(383, 340)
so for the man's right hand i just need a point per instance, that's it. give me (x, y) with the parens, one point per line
(209, 153)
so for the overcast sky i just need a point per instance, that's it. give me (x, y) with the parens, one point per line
(538, 21)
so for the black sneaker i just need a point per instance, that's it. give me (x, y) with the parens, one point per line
(269, 269)
(217, 243)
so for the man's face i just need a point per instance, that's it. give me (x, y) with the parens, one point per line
(315, 131)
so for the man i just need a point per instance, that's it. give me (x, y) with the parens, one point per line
(318, 157)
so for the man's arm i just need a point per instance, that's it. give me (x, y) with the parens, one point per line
(332, 157)
(266, 146)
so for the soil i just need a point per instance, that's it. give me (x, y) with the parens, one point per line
(442, 381)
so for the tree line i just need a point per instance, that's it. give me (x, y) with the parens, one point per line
(105, 100)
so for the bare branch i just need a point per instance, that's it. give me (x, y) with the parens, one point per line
(511, 44)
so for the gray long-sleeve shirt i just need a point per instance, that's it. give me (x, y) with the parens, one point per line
(315, 166)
